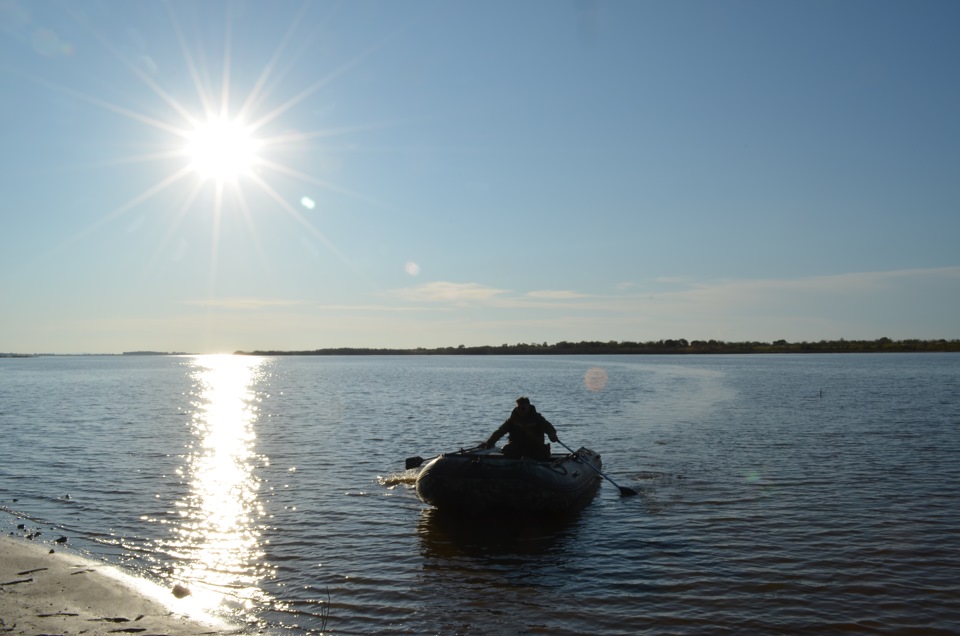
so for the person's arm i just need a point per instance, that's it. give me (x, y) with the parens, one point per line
(549, 429)
(497, 434)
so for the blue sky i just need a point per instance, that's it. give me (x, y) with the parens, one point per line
(443, 173)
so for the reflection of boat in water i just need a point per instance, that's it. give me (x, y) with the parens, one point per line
(495, 539)
(479, 481)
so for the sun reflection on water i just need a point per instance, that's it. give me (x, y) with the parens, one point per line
(219, 545)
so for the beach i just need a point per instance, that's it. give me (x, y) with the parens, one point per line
(45, 589)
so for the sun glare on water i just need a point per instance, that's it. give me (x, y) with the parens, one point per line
(221, 558)
(222, 149)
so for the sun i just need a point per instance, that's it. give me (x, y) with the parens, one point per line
(230, 134)
(222, 149)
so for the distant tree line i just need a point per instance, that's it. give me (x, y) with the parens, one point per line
(653, 347)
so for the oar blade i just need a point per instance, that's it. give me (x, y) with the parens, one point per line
(627, 492)
(413, 462)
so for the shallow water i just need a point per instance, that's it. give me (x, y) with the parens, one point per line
(778, 494)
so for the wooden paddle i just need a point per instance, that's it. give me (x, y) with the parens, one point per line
(624, 491)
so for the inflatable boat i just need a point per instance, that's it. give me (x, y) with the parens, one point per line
(482, 480)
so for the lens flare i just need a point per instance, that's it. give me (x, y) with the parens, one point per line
(595, 379)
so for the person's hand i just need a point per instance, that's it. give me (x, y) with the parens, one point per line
(554, 438)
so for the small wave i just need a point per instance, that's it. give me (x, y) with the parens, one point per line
(392, 481)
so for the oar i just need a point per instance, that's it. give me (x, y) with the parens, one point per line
(624, 491)
(416, 462)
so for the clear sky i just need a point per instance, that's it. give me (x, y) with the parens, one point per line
(210, 176)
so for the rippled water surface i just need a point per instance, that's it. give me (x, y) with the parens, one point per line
(778, 494)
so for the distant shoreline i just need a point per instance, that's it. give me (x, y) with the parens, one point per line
(106, 355)
(659, 347)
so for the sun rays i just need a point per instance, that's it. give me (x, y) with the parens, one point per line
(225, 147)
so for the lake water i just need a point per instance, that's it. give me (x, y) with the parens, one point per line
(778, 494)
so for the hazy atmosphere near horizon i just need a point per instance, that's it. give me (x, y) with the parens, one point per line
(208, 177)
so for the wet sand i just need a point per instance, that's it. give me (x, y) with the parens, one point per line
(47, 590)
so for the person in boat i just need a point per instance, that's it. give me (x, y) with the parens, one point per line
(526, 428)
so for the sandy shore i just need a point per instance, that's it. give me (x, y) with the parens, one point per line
(47, 590)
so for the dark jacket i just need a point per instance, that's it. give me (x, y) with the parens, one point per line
(526, 432)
